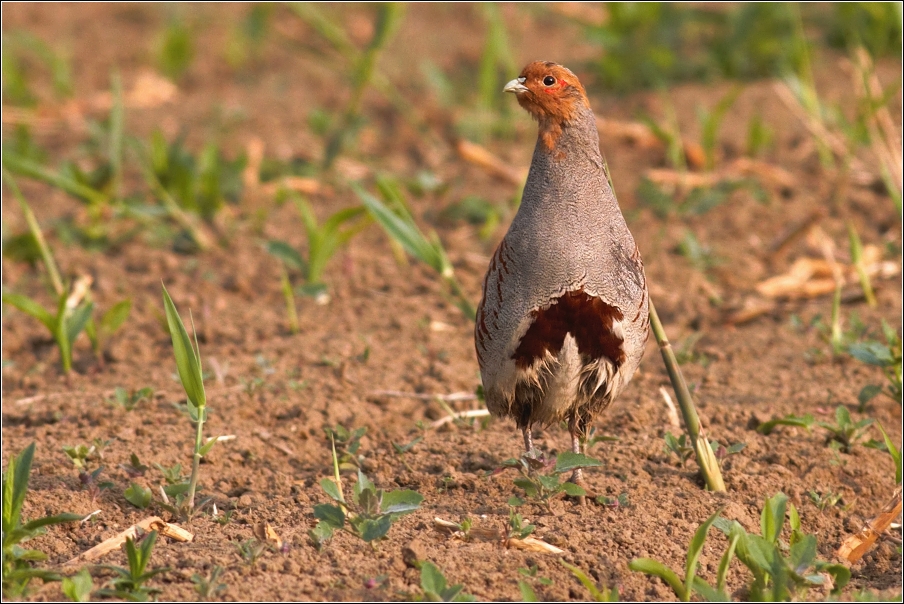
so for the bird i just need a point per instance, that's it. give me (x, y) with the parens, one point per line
(563, 321)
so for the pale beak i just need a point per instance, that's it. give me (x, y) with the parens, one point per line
(517, 86)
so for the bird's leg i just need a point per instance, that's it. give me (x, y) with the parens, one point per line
(577, 477)
(528, 440)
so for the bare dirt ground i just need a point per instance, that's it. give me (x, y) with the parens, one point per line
(387, 327)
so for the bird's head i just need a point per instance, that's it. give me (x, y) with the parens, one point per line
(552, 94)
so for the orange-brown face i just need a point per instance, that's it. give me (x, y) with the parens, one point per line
(551, 93)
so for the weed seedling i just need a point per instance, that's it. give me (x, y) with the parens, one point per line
(347, 442)
(251, 550)
(519, 528)
(888, 445)
(17, 561)
(188, 363)
(401, 450)
(722, 452)
(845, 431)
(138, 496)
(369, 515)
(824, 500)
(90, 482)
(128, 400)
(679, 447)
(597, 593)
(619, 502)
(79, 586)
(541, 479)
(129, 583)
(134, 468)
(886, 356)
(209, 586)
(435, 588)
(527, 591)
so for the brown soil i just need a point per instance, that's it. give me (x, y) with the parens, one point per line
(389, 328)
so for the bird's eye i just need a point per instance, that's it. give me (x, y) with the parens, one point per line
(549, 81)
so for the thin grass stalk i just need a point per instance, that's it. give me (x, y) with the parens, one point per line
(857, 259)
(32, 169)
(289, 295)
(706, 459)
(49, 263)
(388, 17)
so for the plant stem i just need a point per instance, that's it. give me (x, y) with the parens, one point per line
(706, 459)
(291, 310)
(196, 459)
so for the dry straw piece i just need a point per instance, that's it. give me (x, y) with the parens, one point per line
(853, 548)
(152, 523)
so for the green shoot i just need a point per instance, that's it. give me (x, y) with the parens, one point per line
(691, 582)
(176, 50)
(857, 260)
(435, 588)
(679, 447)
(289, 297)
(722, 452)
(323, 241)
(400, 227)
(711, 121)
(597, 593)
(109, 323)
(129, 583)
(845, 431)
(541, 480)
(17, 561)
(389, 16)
(188, 364)
(251, 550)
(209, 586)
(128, 400)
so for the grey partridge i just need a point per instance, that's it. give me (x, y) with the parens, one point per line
(563, 321)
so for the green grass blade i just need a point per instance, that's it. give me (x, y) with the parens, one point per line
(696, 547)
(117, 125)
(893, 451)
(31, 308)
(26, 167)
(658, 569)
(114, 318)
(772, 517)
(188, 362)
(77, 320)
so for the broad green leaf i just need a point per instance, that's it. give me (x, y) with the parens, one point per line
(138, 496)
(573, 490)
(321, 533)
(568, 461)
(330, 514)
(696, 547)
(206, 447)
(725, 561)
(872, 353)
(658, 569)
(867, 393)
(76, 321)
(288, 254)
(773, 517)
(79, 586)
(363, 484)
(188, 362)
(432, 580)
(332, 489)
(549, 483)
(401, 502)
(114, 318)
(841, 574)
(527, 592)
(709, 593)
(530, 489)
(371, 530)
(805, 421)
(803, 553)
(15, 486)
(31, 308)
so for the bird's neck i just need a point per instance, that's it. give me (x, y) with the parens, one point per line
(574, 140)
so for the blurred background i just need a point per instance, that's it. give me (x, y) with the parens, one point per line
(323, 186)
